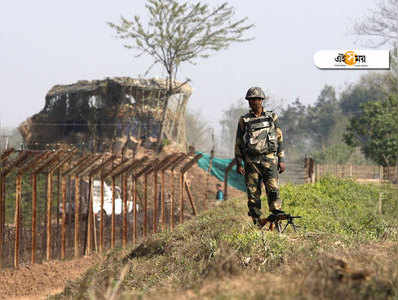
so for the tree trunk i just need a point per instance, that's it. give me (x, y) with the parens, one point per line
(164, 112)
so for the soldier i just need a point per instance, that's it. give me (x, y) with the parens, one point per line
(259, 145)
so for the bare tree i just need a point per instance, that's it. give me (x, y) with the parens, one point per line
(178, 32)
(199, 133)
(229, 124)
(380, 25)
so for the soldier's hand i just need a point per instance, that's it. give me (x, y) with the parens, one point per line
(241, 170)
(281, 167)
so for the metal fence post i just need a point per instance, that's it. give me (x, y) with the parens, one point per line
(227, 170)
(63, 223)
(17, 218)
(49, 203)
(113, 212)
(155, 198)
(77, 227)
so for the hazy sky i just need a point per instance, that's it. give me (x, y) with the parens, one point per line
(43, 43)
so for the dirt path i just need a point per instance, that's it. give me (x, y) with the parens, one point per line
(40, 280)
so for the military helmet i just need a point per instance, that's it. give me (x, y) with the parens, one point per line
(255, 92)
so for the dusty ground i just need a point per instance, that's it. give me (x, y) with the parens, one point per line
(40, 280)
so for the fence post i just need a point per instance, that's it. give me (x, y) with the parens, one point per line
(227, 170)
(90, 224)
(189, 194)
(163, 191)
(113, 212)
(2, 213)
(396, 173)
(124, 188)
(34, 199)
(17, 218)
(58, 193)
(3, 158)
(49, 202)
(183, 170)
(63, 229)
(134, 195)
(155, 198)
(101, 233)
(3, 208)
(208, 177)
(307, 169)
(77, 203)
(173, 195)
(182, 178)
(145, 205)
(3, 220)
(311, 171)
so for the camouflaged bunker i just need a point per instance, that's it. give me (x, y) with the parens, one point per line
(110, 114)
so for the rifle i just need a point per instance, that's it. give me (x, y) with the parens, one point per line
(275, 219)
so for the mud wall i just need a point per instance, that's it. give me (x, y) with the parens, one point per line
(103, 115)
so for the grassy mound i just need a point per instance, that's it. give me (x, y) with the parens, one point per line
(344, 248)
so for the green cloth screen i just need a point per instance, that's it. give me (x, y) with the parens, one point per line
(218, 170)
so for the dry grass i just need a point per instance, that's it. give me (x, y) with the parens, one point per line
(344, 250)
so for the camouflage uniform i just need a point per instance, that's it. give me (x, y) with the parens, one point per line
(260, 168)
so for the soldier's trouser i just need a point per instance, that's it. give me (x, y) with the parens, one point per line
(267, 172)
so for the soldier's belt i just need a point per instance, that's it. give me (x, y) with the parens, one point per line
(261, 157)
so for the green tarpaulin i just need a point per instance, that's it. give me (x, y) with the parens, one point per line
(218, 170)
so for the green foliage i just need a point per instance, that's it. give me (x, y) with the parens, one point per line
(179, 32)
(198, 132)
(293, 120)
(369, 88)
(338, 207)
(26, 201)
(323, 116)
(336, 153)
(165, 142)
(315, 129)
(375, 131)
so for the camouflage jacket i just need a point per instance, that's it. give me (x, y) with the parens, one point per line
(240, 143)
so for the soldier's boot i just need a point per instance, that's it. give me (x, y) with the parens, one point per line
(254, 218)
(254, 213)
(260, 222)
(274, 202)
(264, 221)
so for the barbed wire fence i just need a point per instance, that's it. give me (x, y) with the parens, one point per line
(54, 203)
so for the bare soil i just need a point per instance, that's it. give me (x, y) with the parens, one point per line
(41, 280)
